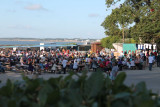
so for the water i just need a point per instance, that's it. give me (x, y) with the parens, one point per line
(33, 42)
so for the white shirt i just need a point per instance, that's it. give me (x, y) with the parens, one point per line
(78, 60)
(88, 60)
(64, 63)
(151, 59)
(132, 63)
(75, 65)
(54, 67)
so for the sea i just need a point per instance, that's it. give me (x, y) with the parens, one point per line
(34, 42)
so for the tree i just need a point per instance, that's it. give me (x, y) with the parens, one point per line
(148, 26)
(144, 15)
(108, 41)
(116, 23)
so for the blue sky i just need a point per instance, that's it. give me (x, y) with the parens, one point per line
(52, 18)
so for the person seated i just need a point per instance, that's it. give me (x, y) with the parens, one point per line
(2, 69)
(133, 64)
(30, 67)
(41, 66)
(101, 65)
(120, 64)
(108, 69)
(128, 64)
(46, 66)
(75, 66)
(124, 62)
(71, 65)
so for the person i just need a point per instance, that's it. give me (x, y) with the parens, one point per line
(158, 60)
(128, 64)
(113, 73)
(112, 54)
(21, 60)
(151, 60)
(30, 67)
(120, 64)
(64, 64)
(71, 65)
(125, 53)
(94, 65)
(133, 64)
(41, 66)
(2, 69)
(54, 68)
(108, 68)
(155, 54)
(75, 66)
(121, 55)
(144, 61)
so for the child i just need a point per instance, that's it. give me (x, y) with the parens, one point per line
(133, 64)
(54, 68)
(128, 64)
(46, 66)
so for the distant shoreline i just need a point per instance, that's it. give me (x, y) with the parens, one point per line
(48, 39)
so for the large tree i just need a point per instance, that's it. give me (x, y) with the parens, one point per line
(116, 23)
(143, 15)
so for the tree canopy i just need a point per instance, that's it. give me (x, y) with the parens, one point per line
(141, 18)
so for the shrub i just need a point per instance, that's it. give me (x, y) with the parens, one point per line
(95, 90)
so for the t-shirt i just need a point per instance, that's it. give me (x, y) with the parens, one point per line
(132, 63)
(88, 60)
(75, 65)
(64, 63)
(114, 72)
(151, 59)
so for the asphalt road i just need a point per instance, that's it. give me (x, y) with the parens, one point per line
(151, 78)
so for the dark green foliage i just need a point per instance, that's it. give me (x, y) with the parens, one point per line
(108, 41)
(95, 90)
(140, 17)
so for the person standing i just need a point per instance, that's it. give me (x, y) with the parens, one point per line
(158, 60)
(150, 60)
(75, 66)
(64, 64)
(94, 65)
(114, 72)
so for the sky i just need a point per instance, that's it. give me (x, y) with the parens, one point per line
(52, 18)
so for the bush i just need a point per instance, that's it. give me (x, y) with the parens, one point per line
(85, 91)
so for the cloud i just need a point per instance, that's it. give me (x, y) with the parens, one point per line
(35, 7)
(93, 15)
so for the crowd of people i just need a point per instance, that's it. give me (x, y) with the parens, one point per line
(63, 61)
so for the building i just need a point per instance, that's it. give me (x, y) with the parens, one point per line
(96, 47)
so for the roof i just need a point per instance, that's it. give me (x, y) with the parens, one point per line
(97, 43)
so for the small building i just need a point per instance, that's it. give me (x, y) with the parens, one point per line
(84, 47)
(96, 47)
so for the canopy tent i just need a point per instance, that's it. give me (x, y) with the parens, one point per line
(131, 47)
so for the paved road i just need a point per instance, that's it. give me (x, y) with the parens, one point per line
(152, 78)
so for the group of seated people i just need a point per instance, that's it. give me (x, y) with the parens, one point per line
(57, 61)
